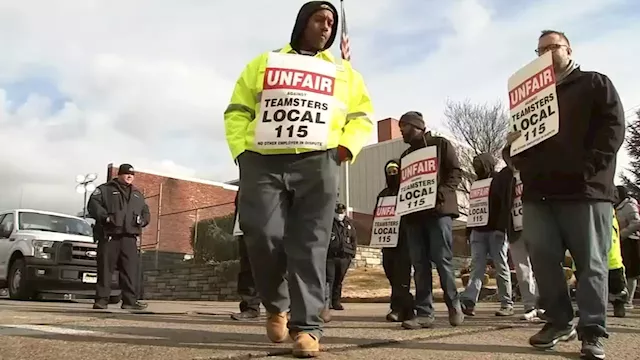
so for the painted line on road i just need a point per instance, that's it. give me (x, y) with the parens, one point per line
(28, 329)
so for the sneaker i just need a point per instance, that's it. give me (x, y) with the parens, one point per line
(393, 316)
(98, 305)
(592, 348)
(277, 327)
(542, 314)
(138, 306)
(245, 315)
(419, 322)
(530, 315)
(628, 306)
(619, 309)
(468, 308)
(549, 336)
(305, 345)
(505, 311)
(456, 316)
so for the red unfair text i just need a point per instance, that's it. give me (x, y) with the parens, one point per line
(531, 86)
(479, 193)
(519, 190)
(276, 78)
(426, 166)
(383, 211)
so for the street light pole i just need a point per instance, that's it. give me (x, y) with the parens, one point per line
(85, 185)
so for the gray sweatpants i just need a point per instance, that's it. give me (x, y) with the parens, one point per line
(524, 273)
(287, 203)
(585, 229)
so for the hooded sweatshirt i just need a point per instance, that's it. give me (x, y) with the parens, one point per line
(498, 213)
(393, 186)
(392, 181)
(305, 13)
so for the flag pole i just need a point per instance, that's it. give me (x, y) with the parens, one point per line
(347, 187)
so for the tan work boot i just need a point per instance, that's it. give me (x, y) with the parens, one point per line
(277, 327)
(305, 345)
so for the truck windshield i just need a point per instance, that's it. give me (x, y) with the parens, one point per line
(53, 223)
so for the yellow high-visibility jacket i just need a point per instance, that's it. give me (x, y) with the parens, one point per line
(615, 254)
(350, 129)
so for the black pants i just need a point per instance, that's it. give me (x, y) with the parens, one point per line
(250, 301)
(397, 267)
(336, 270)
(120, 252)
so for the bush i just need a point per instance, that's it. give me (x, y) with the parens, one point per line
(214, 241)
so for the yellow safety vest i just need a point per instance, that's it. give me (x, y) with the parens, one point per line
(350, 127)
(615, 254)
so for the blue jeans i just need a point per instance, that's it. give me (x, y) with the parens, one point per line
(495, 244)
(432, 241)
(585, 229)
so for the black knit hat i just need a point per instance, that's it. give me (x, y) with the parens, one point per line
(125, 169)
(413, 118)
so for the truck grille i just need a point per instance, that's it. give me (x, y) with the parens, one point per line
(77, 253)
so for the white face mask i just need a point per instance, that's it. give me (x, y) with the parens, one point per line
(340, 217)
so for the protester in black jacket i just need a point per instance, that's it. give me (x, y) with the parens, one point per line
(342, 249)
(568, 198)
(490, 239)
(250, 301)
(429, 232)
(519, 255)
(120, 212)
(395, 260)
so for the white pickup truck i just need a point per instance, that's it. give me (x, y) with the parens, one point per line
(47, 253)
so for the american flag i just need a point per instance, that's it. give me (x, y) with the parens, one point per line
(345, 47)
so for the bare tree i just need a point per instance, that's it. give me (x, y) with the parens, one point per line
(482, 127)
(632, 182)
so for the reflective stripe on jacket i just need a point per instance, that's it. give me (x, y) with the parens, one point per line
(350, 127)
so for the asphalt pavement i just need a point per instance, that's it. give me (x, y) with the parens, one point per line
(203, 330)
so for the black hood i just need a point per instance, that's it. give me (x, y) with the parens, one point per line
(393, 182)
(304, 15)
(488, 163)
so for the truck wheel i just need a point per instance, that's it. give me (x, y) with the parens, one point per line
(18, 287)
(115, 299)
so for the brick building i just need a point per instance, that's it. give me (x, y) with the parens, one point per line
(176, 203)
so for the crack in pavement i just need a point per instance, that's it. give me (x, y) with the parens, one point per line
(351, 347)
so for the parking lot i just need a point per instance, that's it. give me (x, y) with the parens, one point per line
(203, 330)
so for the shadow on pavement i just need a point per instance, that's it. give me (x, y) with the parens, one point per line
(505, 349)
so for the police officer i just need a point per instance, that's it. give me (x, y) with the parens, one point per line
(120, 212)
(342, 249)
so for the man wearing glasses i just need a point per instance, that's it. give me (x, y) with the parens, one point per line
(568, 193)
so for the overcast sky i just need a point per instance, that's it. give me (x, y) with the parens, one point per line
(85, 83)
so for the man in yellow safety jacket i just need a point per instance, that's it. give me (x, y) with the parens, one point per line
(295, 115)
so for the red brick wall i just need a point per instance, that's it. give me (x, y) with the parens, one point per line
(181, 203)
(388, 129)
